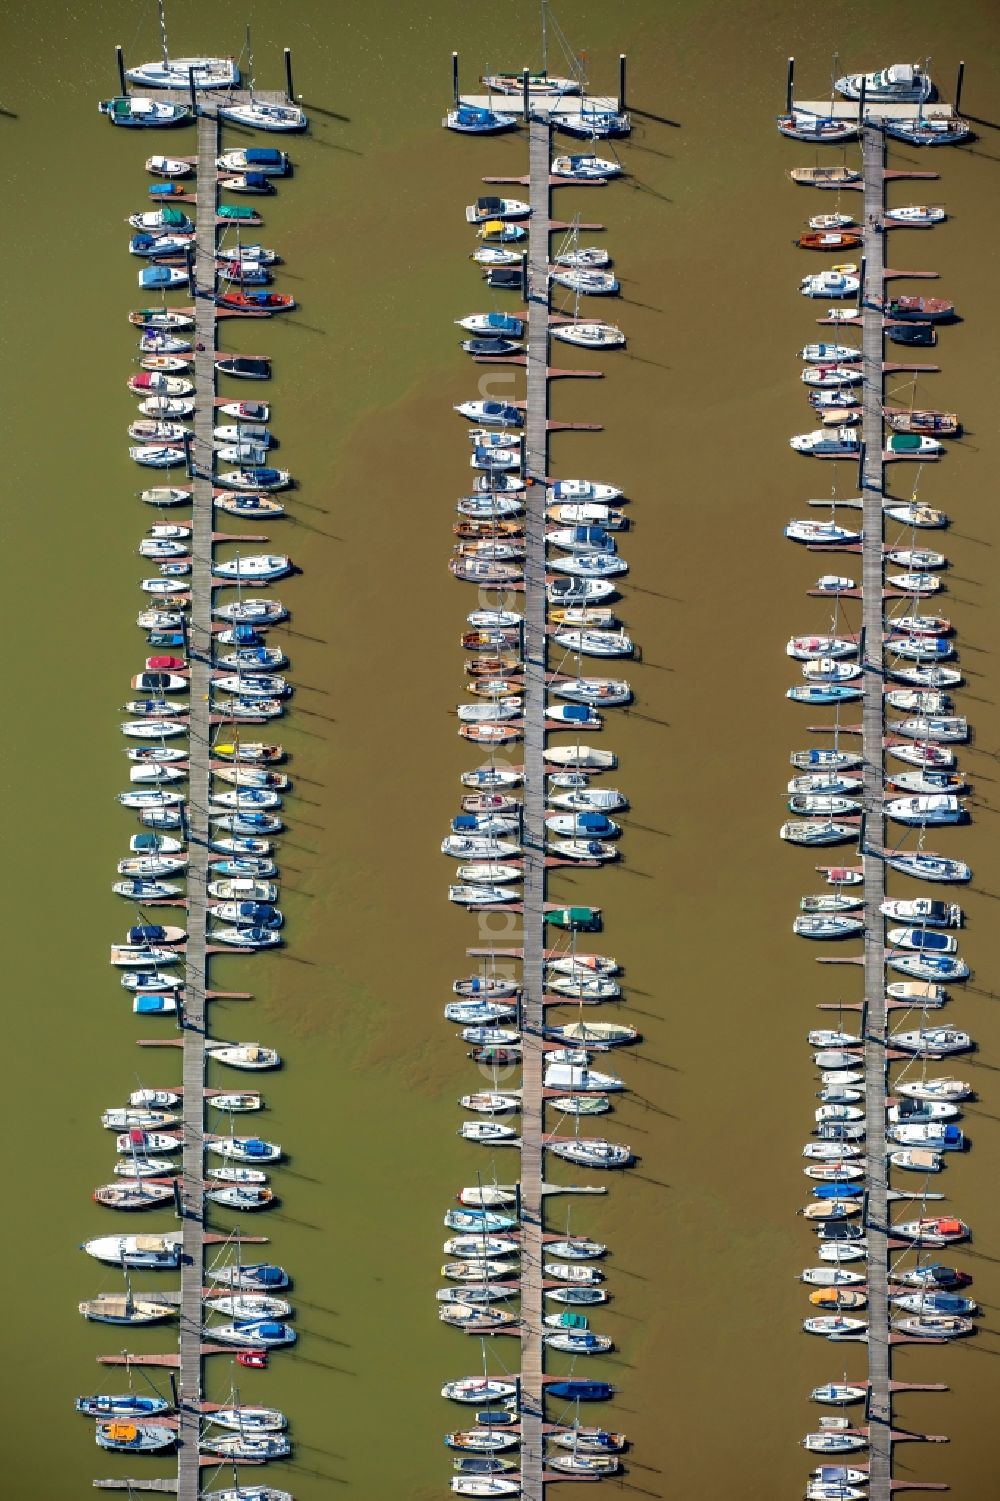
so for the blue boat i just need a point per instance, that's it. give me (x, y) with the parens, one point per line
(165, 638)
(580, 1390)
(126, 1406)
(266, 159)
(824, 693)
(154, 1005)
(257, 914)
(838, 1191)
(472, 119)
(152, 247)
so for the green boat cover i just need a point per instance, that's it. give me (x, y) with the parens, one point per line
(904, 442)
(236, 211)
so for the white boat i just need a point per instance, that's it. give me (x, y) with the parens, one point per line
(478, 1389)
(592, 1151)
(900, 83)
(151, 1252)
(588, 335)
(581, 490)
(914, 213)
(169, 166)
(826, 443)
(829, 284)
(812, 533)
(481, 896)
(933, 1041)
(245, 1055)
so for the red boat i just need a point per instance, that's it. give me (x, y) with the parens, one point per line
(255, 1359)
(165, 664)
(931, 308)
(256, 302)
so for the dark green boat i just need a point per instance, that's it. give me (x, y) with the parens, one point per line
(577, 919)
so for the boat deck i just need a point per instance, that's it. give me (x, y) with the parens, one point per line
(873, 733)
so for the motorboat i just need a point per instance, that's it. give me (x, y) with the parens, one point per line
(490, 207)
(132, 111)
(919, 214)
(900, 83)
(829, 284)
(832, 237)
(932, 1232)
(924, 910)
(824, 443)
(816, 832)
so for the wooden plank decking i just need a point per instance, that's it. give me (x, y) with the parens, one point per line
(873, 729)
(200, 651)
(532, 1101)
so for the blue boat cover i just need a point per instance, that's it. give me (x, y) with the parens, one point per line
(463, 821)
(150, 1004)
(952, 1134)
(581, 713)
(263, 156)
(594, 823)
(145, 933)
(245, 633)
(267, 1276)
(587, 1391)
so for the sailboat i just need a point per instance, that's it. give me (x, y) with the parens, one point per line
(176, 72)
(260, 115)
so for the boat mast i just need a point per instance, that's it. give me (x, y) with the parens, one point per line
(163, 35)
(545, 37)
(250, 63)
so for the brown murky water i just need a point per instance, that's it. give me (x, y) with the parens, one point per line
(712, 1370)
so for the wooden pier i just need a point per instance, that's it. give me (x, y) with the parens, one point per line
(532, 1003)
(196, 976)
(873, 732)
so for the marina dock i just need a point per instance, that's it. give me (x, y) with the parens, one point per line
(200, 653)
(532, 1101)
(873, 734)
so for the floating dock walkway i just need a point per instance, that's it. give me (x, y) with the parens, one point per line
(873, 735)
(196, 977)
(532, 1099)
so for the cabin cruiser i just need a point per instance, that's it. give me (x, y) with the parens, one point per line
(900, 83)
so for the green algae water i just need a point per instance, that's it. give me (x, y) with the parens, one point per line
(711, 1369)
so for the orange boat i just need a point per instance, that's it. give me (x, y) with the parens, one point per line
(833, 239)
(493, 667)
(490, 733)
(837, 1297)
